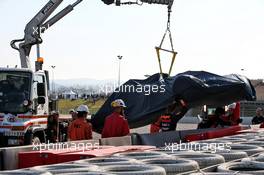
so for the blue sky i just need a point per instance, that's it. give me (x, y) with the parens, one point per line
(220, 36)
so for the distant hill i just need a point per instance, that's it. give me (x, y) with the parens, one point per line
(83, 82)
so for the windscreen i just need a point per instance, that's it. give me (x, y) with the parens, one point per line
(14, 90)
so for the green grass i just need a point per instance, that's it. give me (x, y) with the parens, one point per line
(66, 105)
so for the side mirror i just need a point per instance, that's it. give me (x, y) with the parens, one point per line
(41, 89)
(41, 100)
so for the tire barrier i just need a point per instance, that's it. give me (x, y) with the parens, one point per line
(172, 165)
(242, 167)
(105, 161)
(260, 139)
(249, 149)
(232, 140)
(142, 155)
(204, 160)
(66, 168)
(167, 151)
(25, 172)
(213, 141)
(256, 143)
(231, 155)
(135, 170)
(245, 136)
(89, 173)
(219, 173)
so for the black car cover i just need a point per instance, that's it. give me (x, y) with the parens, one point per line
(147, 99)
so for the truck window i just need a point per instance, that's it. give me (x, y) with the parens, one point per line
(15, 88)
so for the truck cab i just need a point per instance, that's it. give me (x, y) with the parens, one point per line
(24, 106)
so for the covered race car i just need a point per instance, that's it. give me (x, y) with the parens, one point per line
(147, 99)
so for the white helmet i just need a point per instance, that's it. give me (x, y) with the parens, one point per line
(83, 108)
(232, 106)
(118, 103)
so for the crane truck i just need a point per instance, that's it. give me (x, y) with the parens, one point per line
(25, 98)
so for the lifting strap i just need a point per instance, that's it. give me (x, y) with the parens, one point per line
(158, 49)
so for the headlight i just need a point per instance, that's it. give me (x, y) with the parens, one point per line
(27, 103)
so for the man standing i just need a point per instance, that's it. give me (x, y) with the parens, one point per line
(80, 129)
(258, 119)
(115, 124)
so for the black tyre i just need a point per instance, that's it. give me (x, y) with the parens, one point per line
(142, 155)
(173, 165)
(25, 172)
(204, 160)
(231, 155)
(135, 170)
(249, 149)
(105, 161)
(66, 168)
(242, 167)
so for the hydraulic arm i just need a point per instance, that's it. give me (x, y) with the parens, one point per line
(37, 25)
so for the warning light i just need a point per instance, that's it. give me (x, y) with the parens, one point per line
(40, 60)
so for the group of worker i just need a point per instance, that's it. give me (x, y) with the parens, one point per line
(115, 124)
(222, 117)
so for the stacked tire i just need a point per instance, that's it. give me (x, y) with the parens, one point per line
(66, 168)
(173, 165)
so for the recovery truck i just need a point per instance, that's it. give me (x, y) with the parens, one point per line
(25, 99)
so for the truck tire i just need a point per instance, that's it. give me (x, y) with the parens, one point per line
(142, 155)
(204, 160)
(135, 170)
(25, 172)
(108, 161)
(231, 155)
(249, 149)
(172, 165)
(242, 167)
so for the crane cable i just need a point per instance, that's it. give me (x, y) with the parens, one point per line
(158, 49)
